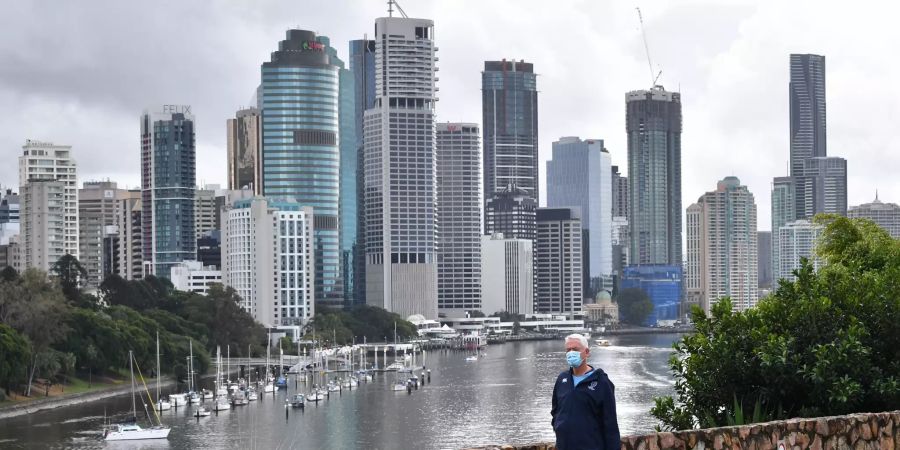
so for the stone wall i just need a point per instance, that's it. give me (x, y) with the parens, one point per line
(854, 432)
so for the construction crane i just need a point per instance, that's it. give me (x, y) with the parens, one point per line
(653, 79)
(391, 5)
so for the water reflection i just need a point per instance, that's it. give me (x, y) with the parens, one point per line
(502, 398)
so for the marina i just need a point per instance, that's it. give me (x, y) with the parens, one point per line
(463, 403)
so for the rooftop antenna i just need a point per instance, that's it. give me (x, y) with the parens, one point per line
(653, 79)
(391, 5)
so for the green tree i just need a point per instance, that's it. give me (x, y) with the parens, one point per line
(8, 274)
(14, 357)
(634, 306)
(288, 345)
(827, 343)
(72, 277)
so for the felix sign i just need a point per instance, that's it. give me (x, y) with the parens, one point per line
(175, 109)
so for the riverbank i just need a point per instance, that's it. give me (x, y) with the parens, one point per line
(15, 409)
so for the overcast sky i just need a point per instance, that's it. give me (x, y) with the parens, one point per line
(80, 73)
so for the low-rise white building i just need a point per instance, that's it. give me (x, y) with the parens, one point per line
(193, 276)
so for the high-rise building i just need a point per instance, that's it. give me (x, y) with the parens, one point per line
(98, 209)
(209, 249)
(47, 161)
(722, 253)
(130, 236)
(797, 240)
(764, 266)
(362, 68)
(507, 275)
(807, 110)
(510, 119)
(619, 194)
(511, 211)
(459, 213)
(619, 245)
(401, 224)
(579, 174)
(267, 257)
(559, 275)
(9, 216)
(168, 180)
(300, 95)
(662, 283)
(783, 212)
(43, 222)
(822, 183)
(885, 215)
(348, 210)
(653, 123)
(206, 215)
(9, 207)
(245, 150)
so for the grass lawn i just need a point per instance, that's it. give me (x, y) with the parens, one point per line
(74, 385)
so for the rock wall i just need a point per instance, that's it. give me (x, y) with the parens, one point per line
(871, 431)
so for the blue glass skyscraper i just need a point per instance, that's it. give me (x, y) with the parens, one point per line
(300, 102)
(362, 73)
(662, 283)
(168, 180)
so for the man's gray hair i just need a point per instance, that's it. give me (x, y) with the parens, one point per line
(580, 338)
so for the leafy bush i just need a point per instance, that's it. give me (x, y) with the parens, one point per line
(826, 343)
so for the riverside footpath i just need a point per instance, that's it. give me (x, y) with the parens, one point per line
(869, 431)
(60, 401)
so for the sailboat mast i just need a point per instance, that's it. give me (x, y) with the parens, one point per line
(133, 403)
(191, 366)
(157, 368)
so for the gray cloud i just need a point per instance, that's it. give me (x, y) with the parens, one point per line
(80, 73)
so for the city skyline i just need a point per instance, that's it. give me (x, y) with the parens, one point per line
(74, 107)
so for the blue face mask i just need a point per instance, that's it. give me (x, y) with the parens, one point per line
(573, 358)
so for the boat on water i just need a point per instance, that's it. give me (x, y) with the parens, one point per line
(178, 400)
(298, 401)
(471, 358)
(398, 386)
(602, 343)
(333, 387)
(160, 405)
(239, 399)
(252, 396)
(221, 404)
(315, 396)
(395, 366)
(194, 397)
(206, 394)
(202, 412)
(133, 431)
(221, 393)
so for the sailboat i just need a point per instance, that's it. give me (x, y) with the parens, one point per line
(161, 405)
(132, 431)
(221, 393)
(269, 385)
(398, 385)
(281, 382)
(192, 395)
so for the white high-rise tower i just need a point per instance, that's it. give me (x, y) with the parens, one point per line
(399, 166)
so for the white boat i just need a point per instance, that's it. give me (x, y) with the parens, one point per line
(315, 396)
(207, 394)
(194, 397)
(178, 400)
(471, 358)
(602, 343)
(221, 404)
(395, 366)
(399, 387)
(202, 412)
(239, 399)
(333, 387)
(298, 401)
(133, 432)
(252, 396)
(163, 405)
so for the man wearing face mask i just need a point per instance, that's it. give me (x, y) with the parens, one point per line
(584, 403)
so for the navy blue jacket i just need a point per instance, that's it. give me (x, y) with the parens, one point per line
(584, 416)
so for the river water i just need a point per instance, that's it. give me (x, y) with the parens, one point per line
(502, 398)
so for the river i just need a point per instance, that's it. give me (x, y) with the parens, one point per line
(502, 398)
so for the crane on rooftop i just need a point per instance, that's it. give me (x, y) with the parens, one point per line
(391, 5)
(653, 79)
